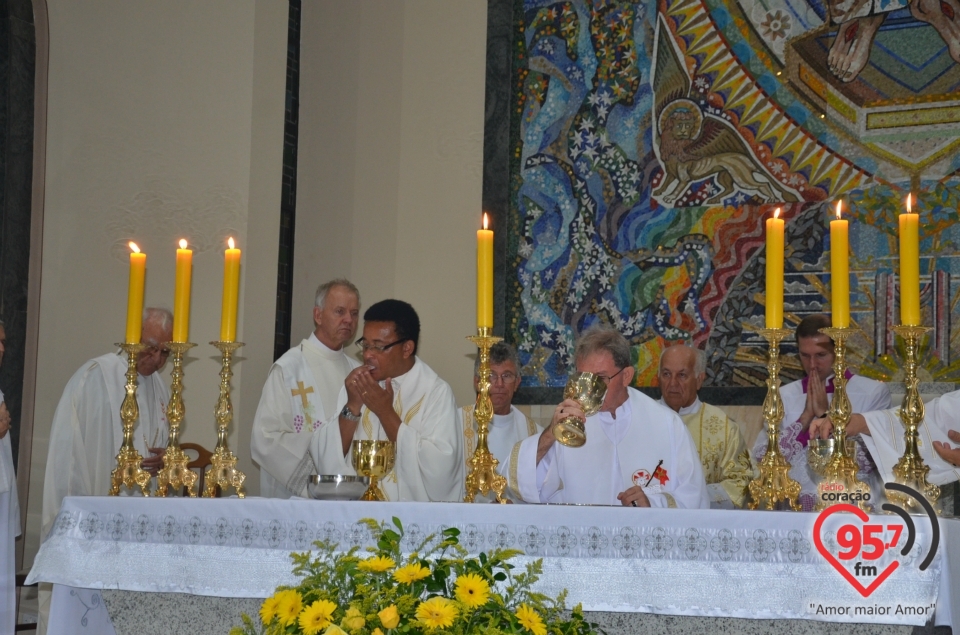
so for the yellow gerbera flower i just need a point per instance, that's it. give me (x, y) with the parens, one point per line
(268, 610)
(389, 616)
(472, 590)
(317, 616)
(530, 620)
(353, 620)
(437, 612)
(411, 573)
(377, 564)
(289, 605)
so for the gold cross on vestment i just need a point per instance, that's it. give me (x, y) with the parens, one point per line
(302, 393)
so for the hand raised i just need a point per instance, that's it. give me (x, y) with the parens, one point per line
(378, 400)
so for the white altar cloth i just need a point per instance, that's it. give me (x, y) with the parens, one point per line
(671, 561)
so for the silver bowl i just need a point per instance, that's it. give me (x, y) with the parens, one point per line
(337, 487)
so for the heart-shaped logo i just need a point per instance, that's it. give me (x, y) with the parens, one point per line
(865, 591)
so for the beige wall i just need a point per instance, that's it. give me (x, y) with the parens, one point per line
(165, 120)
(391, 151)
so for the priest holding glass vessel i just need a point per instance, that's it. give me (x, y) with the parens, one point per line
(637, 452)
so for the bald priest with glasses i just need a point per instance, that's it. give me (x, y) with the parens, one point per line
(638, 453)
(395, 396)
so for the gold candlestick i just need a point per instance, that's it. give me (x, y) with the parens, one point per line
(774, 485)
(840, 473)
(223, 470)
(129, 471)
(175, 472)
(910, 470)
(483, 475)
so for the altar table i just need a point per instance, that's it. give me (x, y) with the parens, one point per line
(715, 563)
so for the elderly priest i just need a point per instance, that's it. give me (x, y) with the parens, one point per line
(723, 453)
(509, 426)
(301, 392)
(394, 395)
(86, 433)
(638, 452)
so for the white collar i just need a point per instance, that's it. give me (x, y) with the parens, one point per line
(616, 427)
(686, 410)
(322, 348)
(502, 421)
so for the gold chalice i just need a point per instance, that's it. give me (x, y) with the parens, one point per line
(819, 452)
(374, 459)
(588, 390)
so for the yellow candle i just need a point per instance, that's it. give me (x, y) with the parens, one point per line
(138, 269)
(181, 294)
(840, 271)
(231, 293)
(484, 276)
(774, 291)
(909, 267)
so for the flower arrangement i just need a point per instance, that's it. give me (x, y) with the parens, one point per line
(436, 589)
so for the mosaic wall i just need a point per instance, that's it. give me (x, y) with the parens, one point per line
(650, 140)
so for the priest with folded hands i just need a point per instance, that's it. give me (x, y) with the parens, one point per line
(638, 453)
(395, 396)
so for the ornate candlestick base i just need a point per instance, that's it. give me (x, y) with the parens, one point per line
(483, 476)
(175, 473)
(910, 470)
(774, 485)
(129, 472)
(223, 470)
(840, 473)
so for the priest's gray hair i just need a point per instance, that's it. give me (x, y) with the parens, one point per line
(604, 338)
(161, 317)
(500, 353)
(699, 360)
(324, 289)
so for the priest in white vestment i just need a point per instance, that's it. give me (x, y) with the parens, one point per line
(883, 431)
(87, 432)
(509, 426)
(9, 516)
(809, 398)
(638, 453)
(395, 396)
(723, 452)
(301, 392)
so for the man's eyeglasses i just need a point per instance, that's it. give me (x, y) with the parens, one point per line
(377, 348)
(507, 378)
(606, 379)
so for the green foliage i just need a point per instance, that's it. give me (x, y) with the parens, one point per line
(434, 589)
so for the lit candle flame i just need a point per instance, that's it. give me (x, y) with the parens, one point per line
(486, 221)
(134, 248)
(230, 242)
(839, 206)
(183, 243)
(776, 213)
(908, 204)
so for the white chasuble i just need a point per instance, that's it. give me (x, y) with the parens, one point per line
(300, 394)
(723, 453)
(646, 444)
(885, 441)
(9, 530)
(87, 432)
(864, 394)
(429, 450)
(505, 432)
